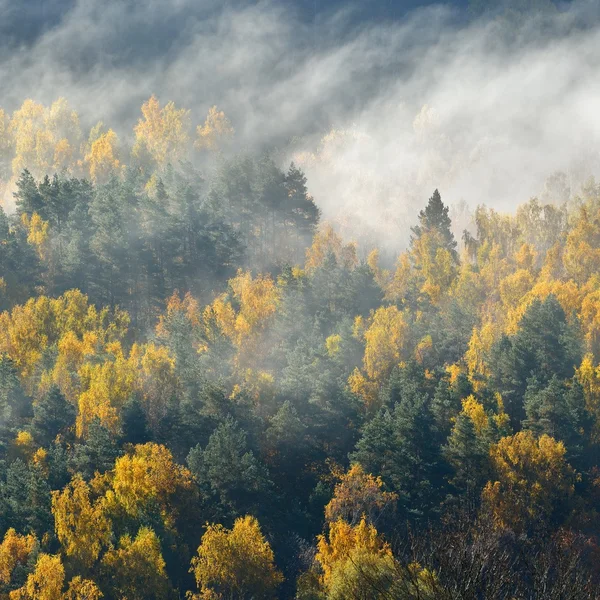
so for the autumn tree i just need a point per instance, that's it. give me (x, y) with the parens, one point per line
(161, 132)
(149, 475)
(532, 482)
(236, 563)
(216, 131)
(81, 524)
(135, 569)
(46, 139)
(342, 544)
(102, 155)
(15, 552)
(386, 345)
(45, 583)
(82, 589)
(359, 495)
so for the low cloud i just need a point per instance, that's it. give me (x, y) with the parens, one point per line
(484, 110)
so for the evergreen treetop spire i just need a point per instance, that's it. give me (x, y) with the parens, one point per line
(434, 217)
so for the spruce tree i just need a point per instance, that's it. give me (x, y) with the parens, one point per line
(468, 454)
(558, 410)
(434, 217)
(52, 414)
(545, 346)
(134, 426)
(97, 453)
(228, 471)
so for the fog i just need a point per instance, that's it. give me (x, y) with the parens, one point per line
(377, 113)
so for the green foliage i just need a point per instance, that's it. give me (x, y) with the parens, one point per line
(228, 471)
(545, 346)
(52, 414)
(301, 384)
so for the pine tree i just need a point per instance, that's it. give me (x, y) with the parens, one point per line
(435, 218)
(446, 404)
(558, 410)
(28, 197)
(15, 406)
(401, 446)
(300, 207)
(52, 414)
(25, 499)
(545, 346)
(134, 424)
(467, 453)
(98, 453)
(227, 470)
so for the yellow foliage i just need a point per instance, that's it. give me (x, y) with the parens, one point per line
(454, 371)
(469, 286)
(475, 411)
(501, 419)
(568, 294)
(82, 589)
(216, 130)
(477, 355)
(399, 284)
(332, 343)
(530, 476)
(492, 266)
(148, 474)
(514, 286)
(102, 157)
(44, 137)
(40, 461)
(581, 257)
(257, 299)
(162, 132)
(45, 583)
(435, 263)
(72, 353)
(589, 317)
(526, 257)
(386, 346)
(342, 540)
(137, 568)
(552, 267)
(24, 444)
(81, 525)
(382, 276)
(28, 330)
(588, 376)
(186, 308)
(106, 387)
(37, 232)
(386, 342)
(326, 242)
(361, 386)
(156, 379)
(259, 386)
(15, 550)
(423, 348)
(235, 563)
(358, 495)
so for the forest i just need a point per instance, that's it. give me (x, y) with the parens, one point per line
(208, 392)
